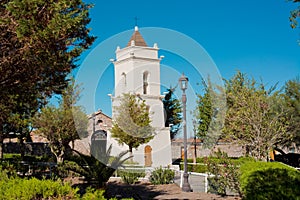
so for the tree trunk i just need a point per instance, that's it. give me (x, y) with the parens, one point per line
(130, 154)
(58, 155)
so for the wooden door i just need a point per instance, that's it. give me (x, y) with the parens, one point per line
(148, 156)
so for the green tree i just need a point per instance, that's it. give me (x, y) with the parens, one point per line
(40, 44)
(132, 122)
(255, 117)
(292, 102)
(210, 113)
(63, 124)
(204, 112)
(173, 111)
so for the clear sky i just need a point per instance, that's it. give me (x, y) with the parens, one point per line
(251, 36)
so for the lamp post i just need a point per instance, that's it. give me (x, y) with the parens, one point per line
(183, 81)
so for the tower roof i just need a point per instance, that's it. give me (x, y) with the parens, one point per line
(137, 38)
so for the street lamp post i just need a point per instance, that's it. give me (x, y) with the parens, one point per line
(183, 81)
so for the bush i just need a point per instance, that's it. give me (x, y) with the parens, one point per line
(262, 180)
(131, 176)
(199, 168)
(93, 194)
(225, 174)
(95, 171)
(201, 165)
(162, 176)
(28, 189)
(17, 188)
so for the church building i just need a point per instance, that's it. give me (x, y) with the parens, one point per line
(137, 71)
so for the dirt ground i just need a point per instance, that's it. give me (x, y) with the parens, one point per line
(148, 191)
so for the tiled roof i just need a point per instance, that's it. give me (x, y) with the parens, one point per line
(137, 38)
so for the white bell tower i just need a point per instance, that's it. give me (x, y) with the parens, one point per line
(137, 71)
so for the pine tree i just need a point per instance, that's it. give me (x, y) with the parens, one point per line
(292, 102)
(210, 114)
(173, 111)
(40, 44)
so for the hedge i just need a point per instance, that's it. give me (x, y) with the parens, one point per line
(269, 180)
(13, 187)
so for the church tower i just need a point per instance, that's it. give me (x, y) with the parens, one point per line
(137, 71)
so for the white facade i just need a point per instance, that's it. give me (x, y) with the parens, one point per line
(137, 71)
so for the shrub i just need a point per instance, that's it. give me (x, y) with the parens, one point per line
(7, 170)
(95, 171)
(199, 168)
(162, 176)
(262, 180)
(93, 194)
(28, 189)
(17, 188)
(131, 176)
(224, 173)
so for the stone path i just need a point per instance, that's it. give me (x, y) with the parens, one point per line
(148, 191)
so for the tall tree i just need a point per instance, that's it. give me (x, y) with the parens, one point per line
(204, 112)
(255, 117)
(40, 44)
(210, 113)
(292, 102)
(132, 122)
(63, 124)
(173, 111)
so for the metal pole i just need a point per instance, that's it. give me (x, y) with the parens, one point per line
(186, 186)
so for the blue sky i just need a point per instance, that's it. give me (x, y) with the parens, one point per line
(251, 36)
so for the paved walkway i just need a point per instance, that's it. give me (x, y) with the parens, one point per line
(147, 191)
(197, 181)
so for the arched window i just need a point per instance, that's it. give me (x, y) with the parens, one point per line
(145, 82)
(124, 78)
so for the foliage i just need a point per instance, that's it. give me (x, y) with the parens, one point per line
(224, 173)
(201, 163)
(294, 15)
(7, 170)
(131, 176)
(173, 111)
(17, 188)
(63, 124)
(95, 170)
(28, 189)
(199, 167)
(204, 111)
(93, 194)
(210, 114)
(132, 122)
(162, 176)
(292, 103)
(255, 117)
(262, 180)
(40, 44)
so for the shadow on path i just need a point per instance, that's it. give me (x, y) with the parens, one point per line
(137, 191)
